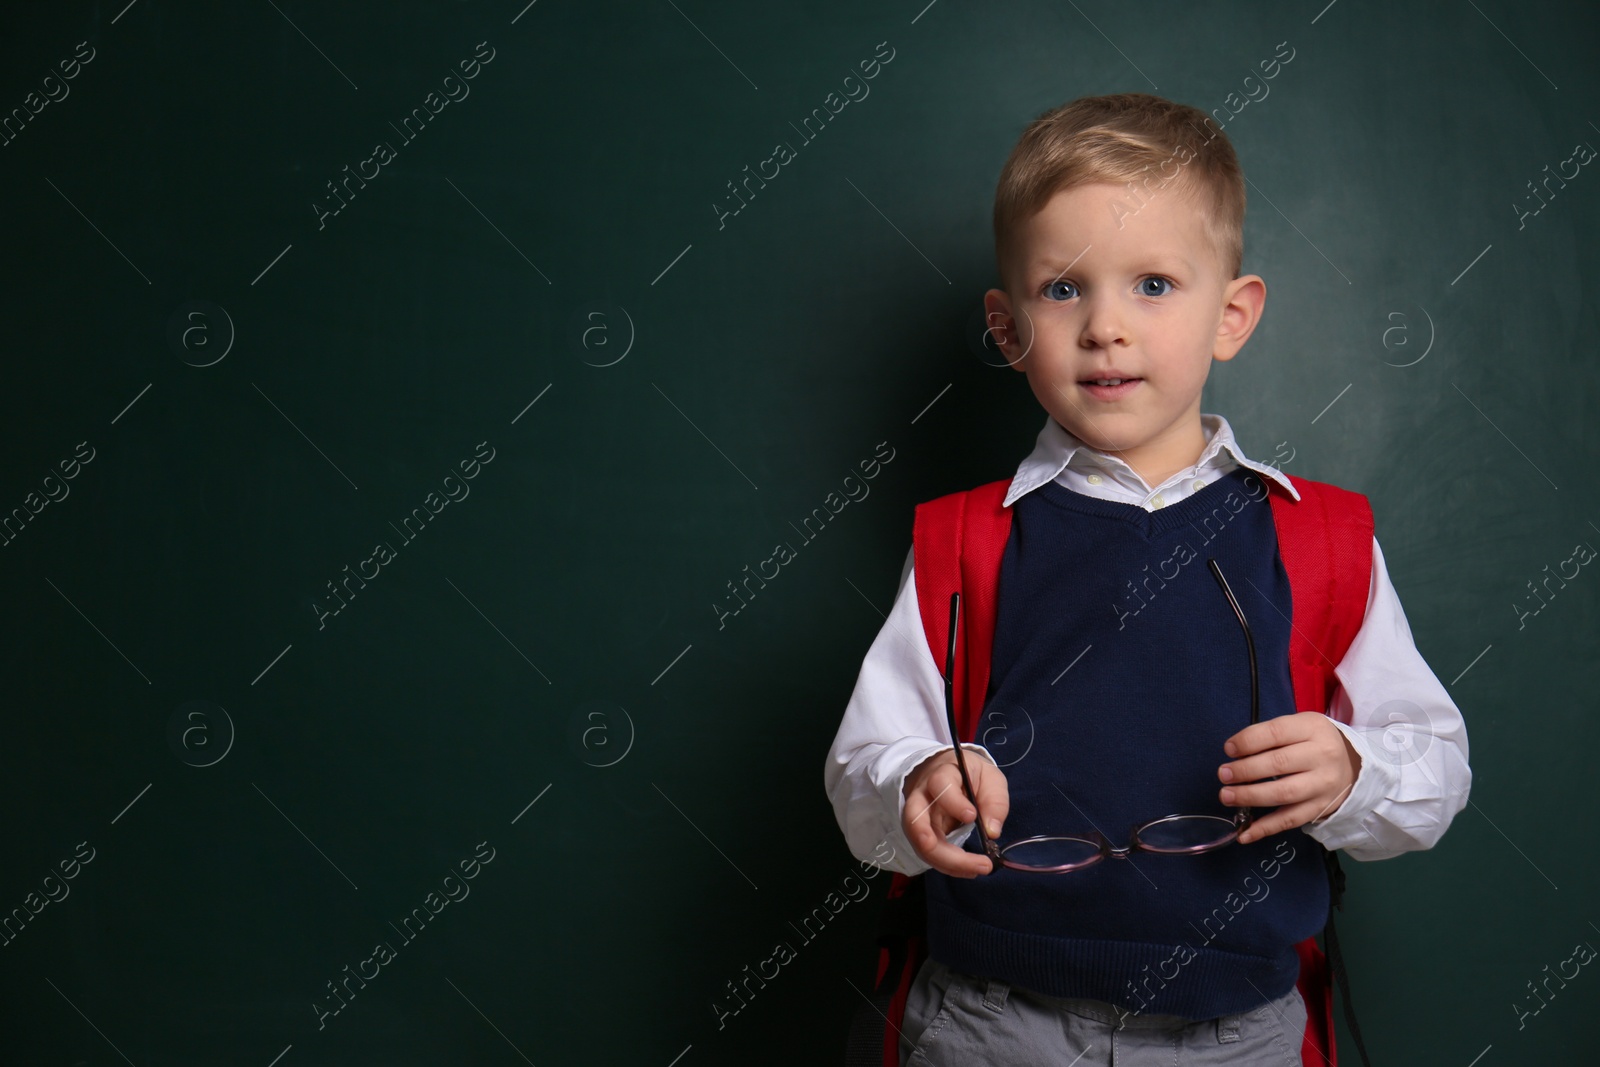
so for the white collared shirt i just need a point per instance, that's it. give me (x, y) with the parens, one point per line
(1414, 776)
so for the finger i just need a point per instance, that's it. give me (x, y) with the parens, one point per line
(1272, 763)
(928, 837)
(927, 833)
(936, 808)
(1289, 790)
(957, 861)
(952, 805)
(1274, 732)
(1286, 818)
(994, 797)
(922, 805)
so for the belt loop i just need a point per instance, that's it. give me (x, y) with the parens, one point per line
(994, 996)
(1228, 1028)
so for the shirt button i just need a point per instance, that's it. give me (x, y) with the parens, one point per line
(1158, 502)
(1094, 479)
(1199, 484)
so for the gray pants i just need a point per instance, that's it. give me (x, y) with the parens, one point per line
(953, 1019)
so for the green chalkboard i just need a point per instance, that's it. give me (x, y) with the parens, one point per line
(396, 394)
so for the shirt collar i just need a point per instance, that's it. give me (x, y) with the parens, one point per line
(1056, 447)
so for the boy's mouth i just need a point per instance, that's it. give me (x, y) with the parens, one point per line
(1110, 386)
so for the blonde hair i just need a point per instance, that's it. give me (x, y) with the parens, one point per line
(1129, 139)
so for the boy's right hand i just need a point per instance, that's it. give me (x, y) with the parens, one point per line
(936, 804)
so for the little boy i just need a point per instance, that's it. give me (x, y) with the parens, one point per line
(1119, 676)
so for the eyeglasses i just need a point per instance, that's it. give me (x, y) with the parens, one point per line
(1171, 835)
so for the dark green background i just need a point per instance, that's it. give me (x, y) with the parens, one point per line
(771, 359)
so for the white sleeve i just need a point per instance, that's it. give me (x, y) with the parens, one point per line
(895, 719)
(1410, 736)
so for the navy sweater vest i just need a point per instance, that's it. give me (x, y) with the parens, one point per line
(1125, 732)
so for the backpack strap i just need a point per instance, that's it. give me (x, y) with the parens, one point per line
(957, 542)
(1325, 541)
(902, 926)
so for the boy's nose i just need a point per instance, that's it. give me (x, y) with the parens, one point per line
(1103, 325)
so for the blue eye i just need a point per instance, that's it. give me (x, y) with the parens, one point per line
(1060, 290)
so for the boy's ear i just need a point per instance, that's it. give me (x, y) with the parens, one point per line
(1243, 301)
(1002, 328)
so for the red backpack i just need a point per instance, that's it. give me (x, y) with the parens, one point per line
(1325, 541)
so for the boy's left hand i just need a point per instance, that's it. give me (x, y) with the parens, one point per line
(1317, 765)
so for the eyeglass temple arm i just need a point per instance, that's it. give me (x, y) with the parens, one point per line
(989, 847)
(1250, 647)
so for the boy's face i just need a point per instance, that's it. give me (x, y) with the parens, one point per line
(1105, 289)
